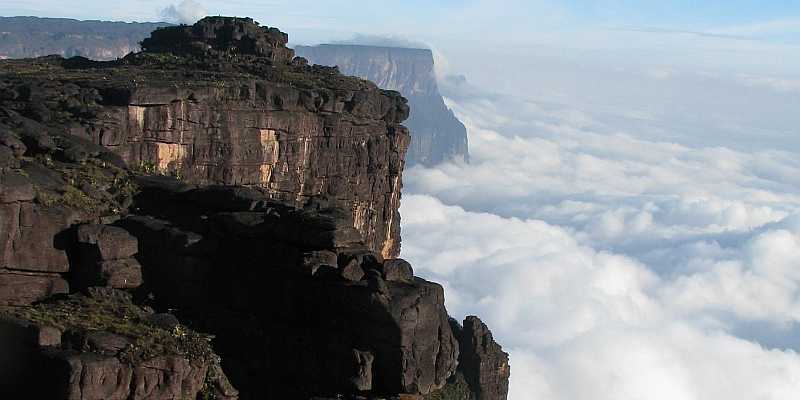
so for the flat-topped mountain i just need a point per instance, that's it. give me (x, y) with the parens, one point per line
(25, 37)
(214, 218)
(436, 134)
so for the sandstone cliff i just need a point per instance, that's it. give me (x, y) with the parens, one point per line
(214, 183)
(437, 135)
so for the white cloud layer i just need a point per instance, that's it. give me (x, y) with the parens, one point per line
(615, 264)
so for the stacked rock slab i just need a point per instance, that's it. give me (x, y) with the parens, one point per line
(102, 346)
(105, 258)
(32, 260)
(57, 194)
(49, 182)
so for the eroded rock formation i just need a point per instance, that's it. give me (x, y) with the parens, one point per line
(216, 186)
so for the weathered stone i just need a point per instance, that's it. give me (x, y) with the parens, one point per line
(365, 258)
(222, 388)
(29, 333)
(7, 158)
(11, 141)
(312, 260)
(33, 237)
(352, 271)
(260, 122)
(92, 376)
(48, 336)
(15, 187)
(362, 363)
(482, 361)
(164, 321)
(120, 274)
(167, 378)
(217, 36)
(278, 168)
(18, 289)
(104, 258)
(376, 283)
(107, 343)
(108, 242)
(36, 138)
(397, 270)
(113, 363)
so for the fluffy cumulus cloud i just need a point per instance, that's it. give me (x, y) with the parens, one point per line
(185, 12)
(615, 264)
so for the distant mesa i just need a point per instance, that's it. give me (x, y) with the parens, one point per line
(26, 37)
(436, 134)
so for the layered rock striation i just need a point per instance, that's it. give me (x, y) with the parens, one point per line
(27, 37)
(214, 183)
(227, 108)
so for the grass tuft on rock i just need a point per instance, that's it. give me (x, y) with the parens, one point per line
(113, 311)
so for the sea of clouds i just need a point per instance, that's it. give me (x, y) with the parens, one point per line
(614, 258)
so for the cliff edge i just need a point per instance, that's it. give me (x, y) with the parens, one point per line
(214, 218)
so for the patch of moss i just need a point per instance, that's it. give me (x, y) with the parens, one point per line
(76, 198)
(146, 168)
(94, 186)
(208, 392)
(119, 315)
(45, 198)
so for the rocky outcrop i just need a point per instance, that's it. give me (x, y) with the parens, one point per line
(221, 37)
(483, 362)
(437, 135)
(295, 131)
(102, 346)
(295, 287)
(222, 187)
(28, 37)
(51, 181)
(105, 258)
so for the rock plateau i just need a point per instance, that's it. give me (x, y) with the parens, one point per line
(214, 218)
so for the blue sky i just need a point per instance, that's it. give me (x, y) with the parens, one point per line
(377, 16)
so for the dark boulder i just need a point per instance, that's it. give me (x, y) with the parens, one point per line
(397, 270)
(105, 258)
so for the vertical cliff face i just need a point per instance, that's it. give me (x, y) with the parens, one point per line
(215, 177)
(23, 37)
(437, 135)
(296, 132)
